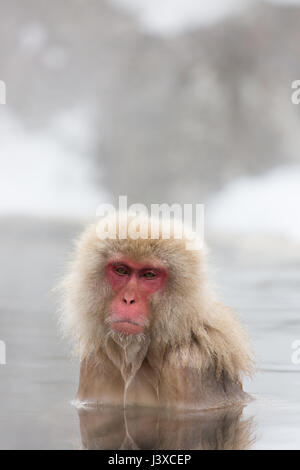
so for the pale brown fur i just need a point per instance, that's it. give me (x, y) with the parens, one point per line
(194, 351)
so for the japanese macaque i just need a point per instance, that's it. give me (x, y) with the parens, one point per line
(147, 326)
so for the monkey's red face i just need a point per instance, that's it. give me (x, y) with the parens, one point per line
(133, 284)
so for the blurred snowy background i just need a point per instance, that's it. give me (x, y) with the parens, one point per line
(164, 101)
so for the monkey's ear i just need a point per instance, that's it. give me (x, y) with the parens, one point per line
(231, 349)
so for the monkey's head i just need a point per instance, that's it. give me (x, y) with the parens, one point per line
(132, 287)
(131, 299)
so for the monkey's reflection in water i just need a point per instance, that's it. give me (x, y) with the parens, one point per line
(147, 428)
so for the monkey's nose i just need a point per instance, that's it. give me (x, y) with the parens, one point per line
(128, 300)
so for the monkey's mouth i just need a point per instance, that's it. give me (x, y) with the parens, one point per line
(127, 327)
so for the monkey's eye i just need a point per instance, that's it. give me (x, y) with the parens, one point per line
(121, 270)
(149, 275)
